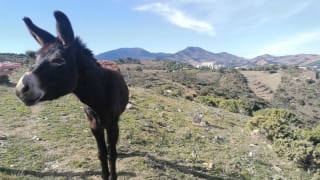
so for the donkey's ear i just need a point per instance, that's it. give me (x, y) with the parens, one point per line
(64, 28)
(40, 35)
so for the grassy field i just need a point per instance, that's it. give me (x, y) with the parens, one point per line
(159, 139)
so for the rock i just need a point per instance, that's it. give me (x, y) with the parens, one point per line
(277, 168)
(219, 139)
(162, 114)
(148, 124)
(204, 123)
(278, 177)
(162, 124)
(197, 118)
(3, 137)
(208, 165)
(258, 132)
(250, 154)
(36, 138)
(129, 106)
(52, 165)
(193, 154)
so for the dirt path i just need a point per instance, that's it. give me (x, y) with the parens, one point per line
(262, 83)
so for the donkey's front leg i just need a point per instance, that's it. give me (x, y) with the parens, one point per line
(102, 151)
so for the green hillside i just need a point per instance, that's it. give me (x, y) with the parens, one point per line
(167, 133)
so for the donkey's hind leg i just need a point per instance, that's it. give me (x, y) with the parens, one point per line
(98, 134)
(113, 134)
(102, 151)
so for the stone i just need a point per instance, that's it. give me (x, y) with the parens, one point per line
(129, 106)
(3, 137)
(36, 138)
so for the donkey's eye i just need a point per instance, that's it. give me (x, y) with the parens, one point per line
(58, 61)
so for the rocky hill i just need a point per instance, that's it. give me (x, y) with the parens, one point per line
(191, 55)
(197, 55)
(299, 59)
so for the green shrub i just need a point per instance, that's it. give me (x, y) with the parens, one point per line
(210, 100)
(231, 105)
(139, 68)
(277, 123)
(4, 79)
(31, 54)
(313, 135)
(301, 102)
(299, 151)
(278, 114)
(170, 90)
(310, 81)
(316, 156)
(299, 145)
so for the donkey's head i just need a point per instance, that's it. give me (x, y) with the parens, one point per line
(54, 73)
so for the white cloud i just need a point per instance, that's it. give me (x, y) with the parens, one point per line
(291, 44)
(178, 17)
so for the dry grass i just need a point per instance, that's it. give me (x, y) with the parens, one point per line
(262, 83)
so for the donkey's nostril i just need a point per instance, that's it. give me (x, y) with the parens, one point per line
(25, 89)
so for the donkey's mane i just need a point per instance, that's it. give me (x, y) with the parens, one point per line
(85, 52)
(83, 46)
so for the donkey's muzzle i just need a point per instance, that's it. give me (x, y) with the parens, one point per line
(28, 90)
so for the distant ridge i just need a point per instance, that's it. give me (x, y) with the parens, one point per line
(137, 53)
(197, 55)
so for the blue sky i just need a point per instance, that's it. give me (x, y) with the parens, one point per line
(245, 28)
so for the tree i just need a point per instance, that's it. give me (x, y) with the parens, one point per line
(31, 54)
(139, 68)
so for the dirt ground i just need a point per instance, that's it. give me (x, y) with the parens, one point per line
(263, 83)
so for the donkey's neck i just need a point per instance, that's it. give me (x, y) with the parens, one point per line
(90, 86)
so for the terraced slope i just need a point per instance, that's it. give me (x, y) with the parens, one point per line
(263, 84)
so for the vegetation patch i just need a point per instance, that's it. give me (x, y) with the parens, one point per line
(231, 105)
(299, 145)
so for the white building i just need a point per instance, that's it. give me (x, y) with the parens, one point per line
(210, 65)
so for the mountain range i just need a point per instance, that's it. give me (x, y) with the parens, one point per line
(197, 55)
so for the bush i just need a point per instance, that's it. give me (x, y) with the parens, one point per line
(301, 102)
(313, 135)
(139, 68)
(299, 145)
(316, 156)
(170, 90)
(209, 100)
(231, 105)
(299, 151)
(31, 54)
(4, 79)
(310, 81)
(278, 123)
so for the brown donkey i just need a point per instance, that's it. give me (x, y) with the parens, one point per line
(64, 65)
